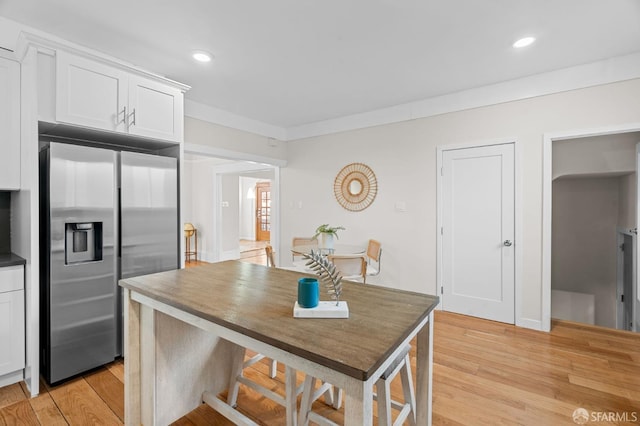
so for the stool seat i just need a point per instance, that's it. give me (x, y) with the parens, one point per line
(396, 362)
(400, 365)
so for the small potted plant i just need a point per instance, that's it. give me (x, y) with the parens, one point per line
(326, 234)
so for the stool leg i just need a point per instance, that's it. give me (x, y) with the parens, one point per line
(273, 368)
(291, 395)
(328, 395)
(307, 400)
(383, 390)
(337, 397)
(236, 370)
(407, 389)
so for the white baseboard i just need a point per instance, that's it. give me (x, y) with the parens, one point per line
(529, 323)
(230, 254)
(11, 378)
(206, 256)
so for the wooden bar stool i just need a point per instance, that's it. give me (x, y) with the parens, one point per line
(402, 365)
(289, 400)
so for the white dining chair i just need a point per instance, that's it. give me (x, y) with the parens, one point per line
(352, 268)
(374, 254)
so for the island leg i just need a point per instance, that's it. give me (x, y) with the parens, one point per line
(424, 373)
(358, 408)
(132, 413)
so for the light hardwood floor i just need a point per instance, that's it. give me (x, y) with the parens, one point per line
(253, 251)
(485, 373)
(250, 252)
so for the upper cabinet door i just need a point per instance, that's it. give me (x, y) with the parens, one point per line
(9, 124)
(155, 110)
(90, 93)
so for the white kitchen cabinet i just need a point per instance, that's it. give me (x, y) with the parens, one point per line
(100, 96)
(9, 124)
(12, 324)
(155, 110)
(90, 93)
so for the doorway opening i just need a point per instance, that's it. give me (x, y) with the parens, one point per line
(263, 211)
(217, 201)
(590, 214)
(255, 217)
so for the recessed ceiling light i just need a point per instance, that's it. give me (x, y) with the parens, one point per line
(202, 56)
(523, 42)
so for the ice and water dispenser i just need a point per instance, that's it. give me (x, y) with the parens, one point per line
(83, 242)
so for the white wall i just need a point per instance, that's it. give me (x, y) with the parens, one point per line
(595, 155)
(247, 208)
(208, 134)
(230, 219)
(628, 201)
(403, 156)
(584, 239)
(198, 203)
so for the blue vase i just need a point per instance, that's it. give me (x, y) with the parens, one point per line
(308, 292)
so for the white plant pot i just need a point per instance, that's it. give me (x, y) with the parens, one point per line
(326, 241)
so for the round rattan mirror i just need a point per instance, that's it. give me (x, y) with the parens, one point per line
(355, 187)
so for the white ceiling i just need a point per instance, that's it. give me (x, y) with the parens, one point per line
(291, 62)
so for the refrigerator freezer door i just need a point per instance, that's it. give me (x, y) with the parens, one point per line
(81, 323)
(149, 214)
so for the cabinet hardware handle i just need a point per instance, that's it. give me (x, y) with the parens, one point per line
(507, 243)
(133, 121)
(124, 116)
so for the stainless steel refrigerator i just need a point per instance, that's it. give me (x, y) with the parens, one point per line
(105, 215)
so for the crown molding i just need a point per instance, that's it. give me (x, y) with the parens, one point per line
(607, 71)
(213, 115)
(592, 74)
(50, 44)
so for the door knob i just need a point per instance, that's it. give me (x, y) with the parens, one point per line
(508, 243)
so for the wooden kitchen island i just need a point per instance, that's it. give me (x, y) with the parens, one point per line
(184, 330)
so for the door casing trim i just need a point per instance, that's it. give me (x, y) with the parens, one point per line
(547, 170)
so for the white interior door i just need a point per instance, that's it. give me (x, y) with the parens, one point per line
(478, 247)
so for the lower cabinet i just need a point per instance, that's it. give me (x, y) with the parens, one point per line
(12, 324)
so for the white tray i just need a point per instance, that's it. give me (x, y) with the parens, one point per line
(325, 309)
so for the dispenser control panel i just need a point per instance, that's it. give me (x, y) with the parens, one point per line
(83, 242)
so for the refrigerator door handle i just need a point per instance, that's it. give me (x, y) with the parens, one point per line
(119, 253)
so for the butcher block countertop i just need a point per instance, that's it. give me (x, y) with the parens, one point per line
(257, 301)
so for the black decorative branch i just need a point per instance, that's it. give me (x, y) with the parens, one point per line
(327, 273)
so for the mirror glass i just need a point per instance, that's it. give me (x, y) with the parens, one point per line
(355, 187)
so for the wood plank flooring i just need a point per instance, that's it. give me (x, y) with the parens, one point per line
(253, 252)
(485, 373)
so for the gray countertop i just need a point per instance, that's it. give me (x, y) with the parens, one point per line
(10, 259)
